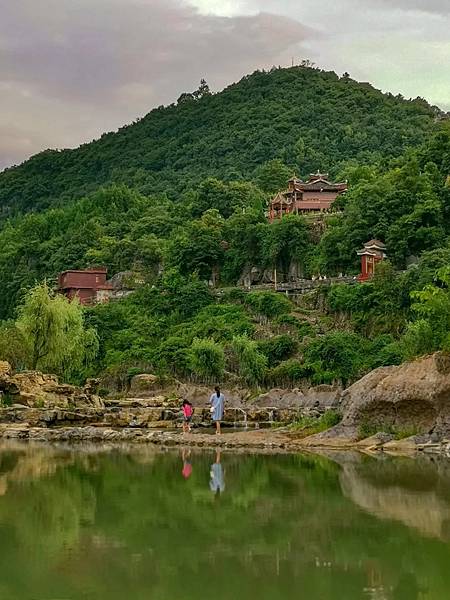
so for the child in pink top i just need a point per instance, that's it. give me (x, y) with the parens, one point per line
(188, 411)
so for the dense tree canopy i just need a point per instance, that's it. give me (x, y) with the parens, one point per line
(178, 199)
(307, 118)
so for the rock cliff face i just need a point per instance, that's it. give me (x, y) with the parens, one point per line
(414, 396)
(34, 389)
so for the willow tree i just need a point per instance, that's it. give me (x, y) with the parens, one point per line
(54, 333)
(252, 363)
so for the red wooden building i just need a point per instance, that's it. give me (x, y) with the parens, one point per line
(313, 196)
(372, 253)
(89, 285)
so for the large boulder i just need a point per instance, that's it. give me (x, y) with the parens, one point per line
(145, 383)
(414, 396)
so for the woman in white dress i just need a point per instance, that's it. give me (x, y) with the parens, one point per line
(217, 402)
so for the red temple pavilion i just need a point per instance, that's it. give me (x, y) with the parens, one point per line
(88, 286)
(313, 196)
(372, 253)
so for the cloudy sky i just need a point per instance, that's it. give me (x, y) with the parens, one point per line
(72, 69)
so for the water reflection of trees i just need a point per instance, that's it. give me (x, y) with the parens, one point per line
(111, 521)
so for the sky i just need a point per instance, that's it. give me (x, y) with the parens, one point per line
(73, 69)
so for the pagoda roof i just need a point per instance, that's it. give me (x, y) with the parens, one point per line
(320, 185)
(314, 176)
(375, 244)
(373, 248)
(282, 198)
(368, 252)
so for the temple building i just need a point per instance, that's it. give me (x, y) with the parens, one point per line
(313, 196)
(372, 253)
(89, 286)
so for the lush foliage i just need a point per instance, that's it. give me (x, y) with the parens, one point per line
(431, 329)
(177, 202)
(252, 363)
(53, 334)
(305, 117)
(207, 358)
(406, 206)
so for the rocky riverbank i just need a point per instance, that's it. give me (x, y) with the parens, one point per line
(251, 440)
(392, 409)
(260, 439)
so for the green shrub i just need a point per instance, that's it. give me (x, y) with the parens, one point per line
(369, 428)
(278, 348)
(311, 425)
(338, 355)
(400, 433)
(366, 429)
(207, 359)
(222, 322)
(288, 373)
(234, 295)
(268, 304)
(286, 320)
(292, 324)
(13, 346)
(132, 371)
(420, 338)
(252, 364)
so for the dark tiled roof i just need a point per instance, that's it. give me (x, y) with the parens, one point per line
(375, 243)
(321, 185)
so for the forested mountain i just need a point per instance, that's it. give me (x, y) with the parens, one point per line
(309, 119)
(179, 199)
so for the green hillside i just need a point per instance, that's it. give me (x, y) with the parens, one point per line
(310, 119)
(179, 197)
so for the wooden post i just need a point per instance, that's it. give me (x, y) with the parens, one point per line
(275, 278)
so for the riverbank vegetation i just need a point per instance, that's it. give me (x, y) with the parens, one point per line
(178, 200)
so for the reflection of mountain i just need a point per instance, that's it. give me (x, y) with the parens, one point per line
(412, 491)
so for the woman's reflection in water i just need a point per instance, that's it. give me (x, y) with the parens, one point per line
(216, 482)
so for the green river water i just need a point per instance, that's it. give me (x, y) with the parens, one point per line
(104, 523)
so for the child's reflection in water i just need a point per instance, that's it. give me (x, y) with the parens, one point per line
(187, 467)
